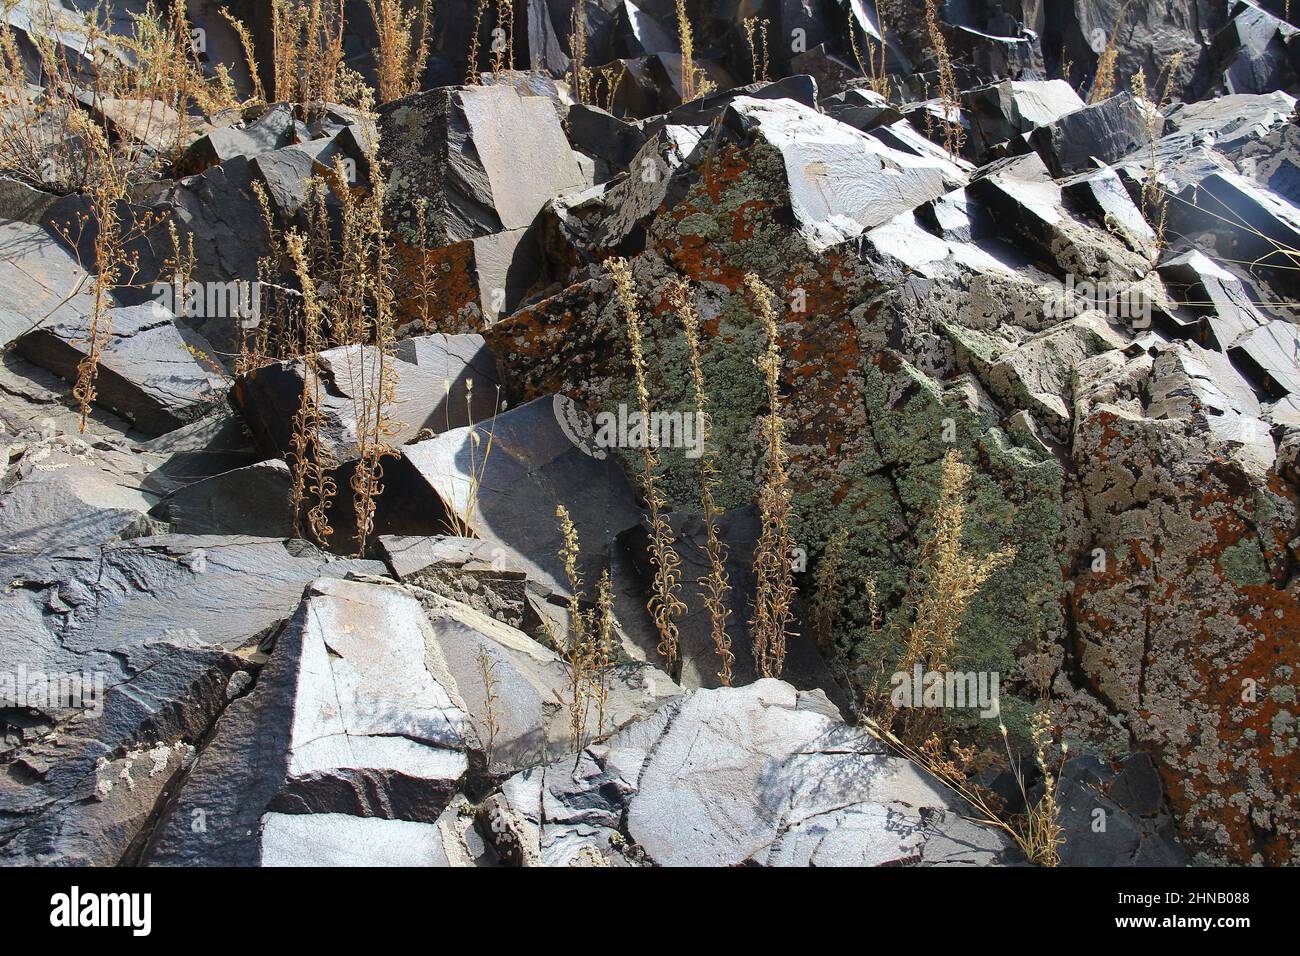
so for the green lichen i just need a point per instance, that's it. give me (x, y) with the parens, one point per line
(1243, 563)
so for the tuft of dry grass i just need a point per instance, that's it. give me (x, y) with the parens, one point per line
(1154, 205)
(756, 27)
(949, 575)
(403, 47)
(578, 54)
(947, 578)
(250, 58)
(954, 137)
(588, 650)
(503, 40)
(1103, 83)
(714, 586)
(1036, 830)
(471, 68)
(773, 572)
(308, 67)
(877, 73)
(665, 606)
(827, 596)
(311, 465)
(694, 84)
(491, 718)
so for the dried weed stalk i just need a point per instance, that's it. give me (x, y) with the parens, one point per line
(773, 571)
(665, 606)
(714, 586)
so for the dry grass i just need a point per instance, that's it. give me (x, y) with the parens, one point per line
(948, 576)
(250, 58)
(503, 39)
(694, 84)
(877, 73)
(827, 598)
(471, 68)
(308, 67)
(665, 606)
(954, 137)
(578, 54)
(403, 48)
(587, 650)
(714, 586)
(491, 719)
(342, 265)
(1103, 83)
(758, 51)
(1036, 830)
(774, 575)
(1153, 203)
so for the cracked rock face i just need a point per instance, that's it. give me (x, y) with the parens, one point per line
(153, 629)
(762, 774)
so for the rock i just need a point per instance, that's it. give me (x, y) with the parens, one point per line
(255, 500)
(1136, 827)
(602, 136)
(285, 172)
(1223, 302)
(337, 839)
(1147, 35)
(273, 130)
(1270, 352)
(485, 577)
(840, 181)
(802, 789)
(861, 109)
(150, 370)
(1102, 194)
(1188, 607)
(1233, 121)
(1251, 51)
(151, 631)
(1106, 131)
(531, 683)
(1000, 112)
(151, 123)
(210, 446)
(61, 493)
(1239, 220)
(460, 150)
(451, 383)
(43, 283)
(23, 203)
(345, 719)
(703, 111)
(507, 494)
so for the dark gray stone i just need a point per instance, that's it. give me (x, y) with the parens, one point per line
(1107, 131)
(484, 159)
(344, 719)
(255, 500)
(533, 465)
(153, 623)
(149, 372)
